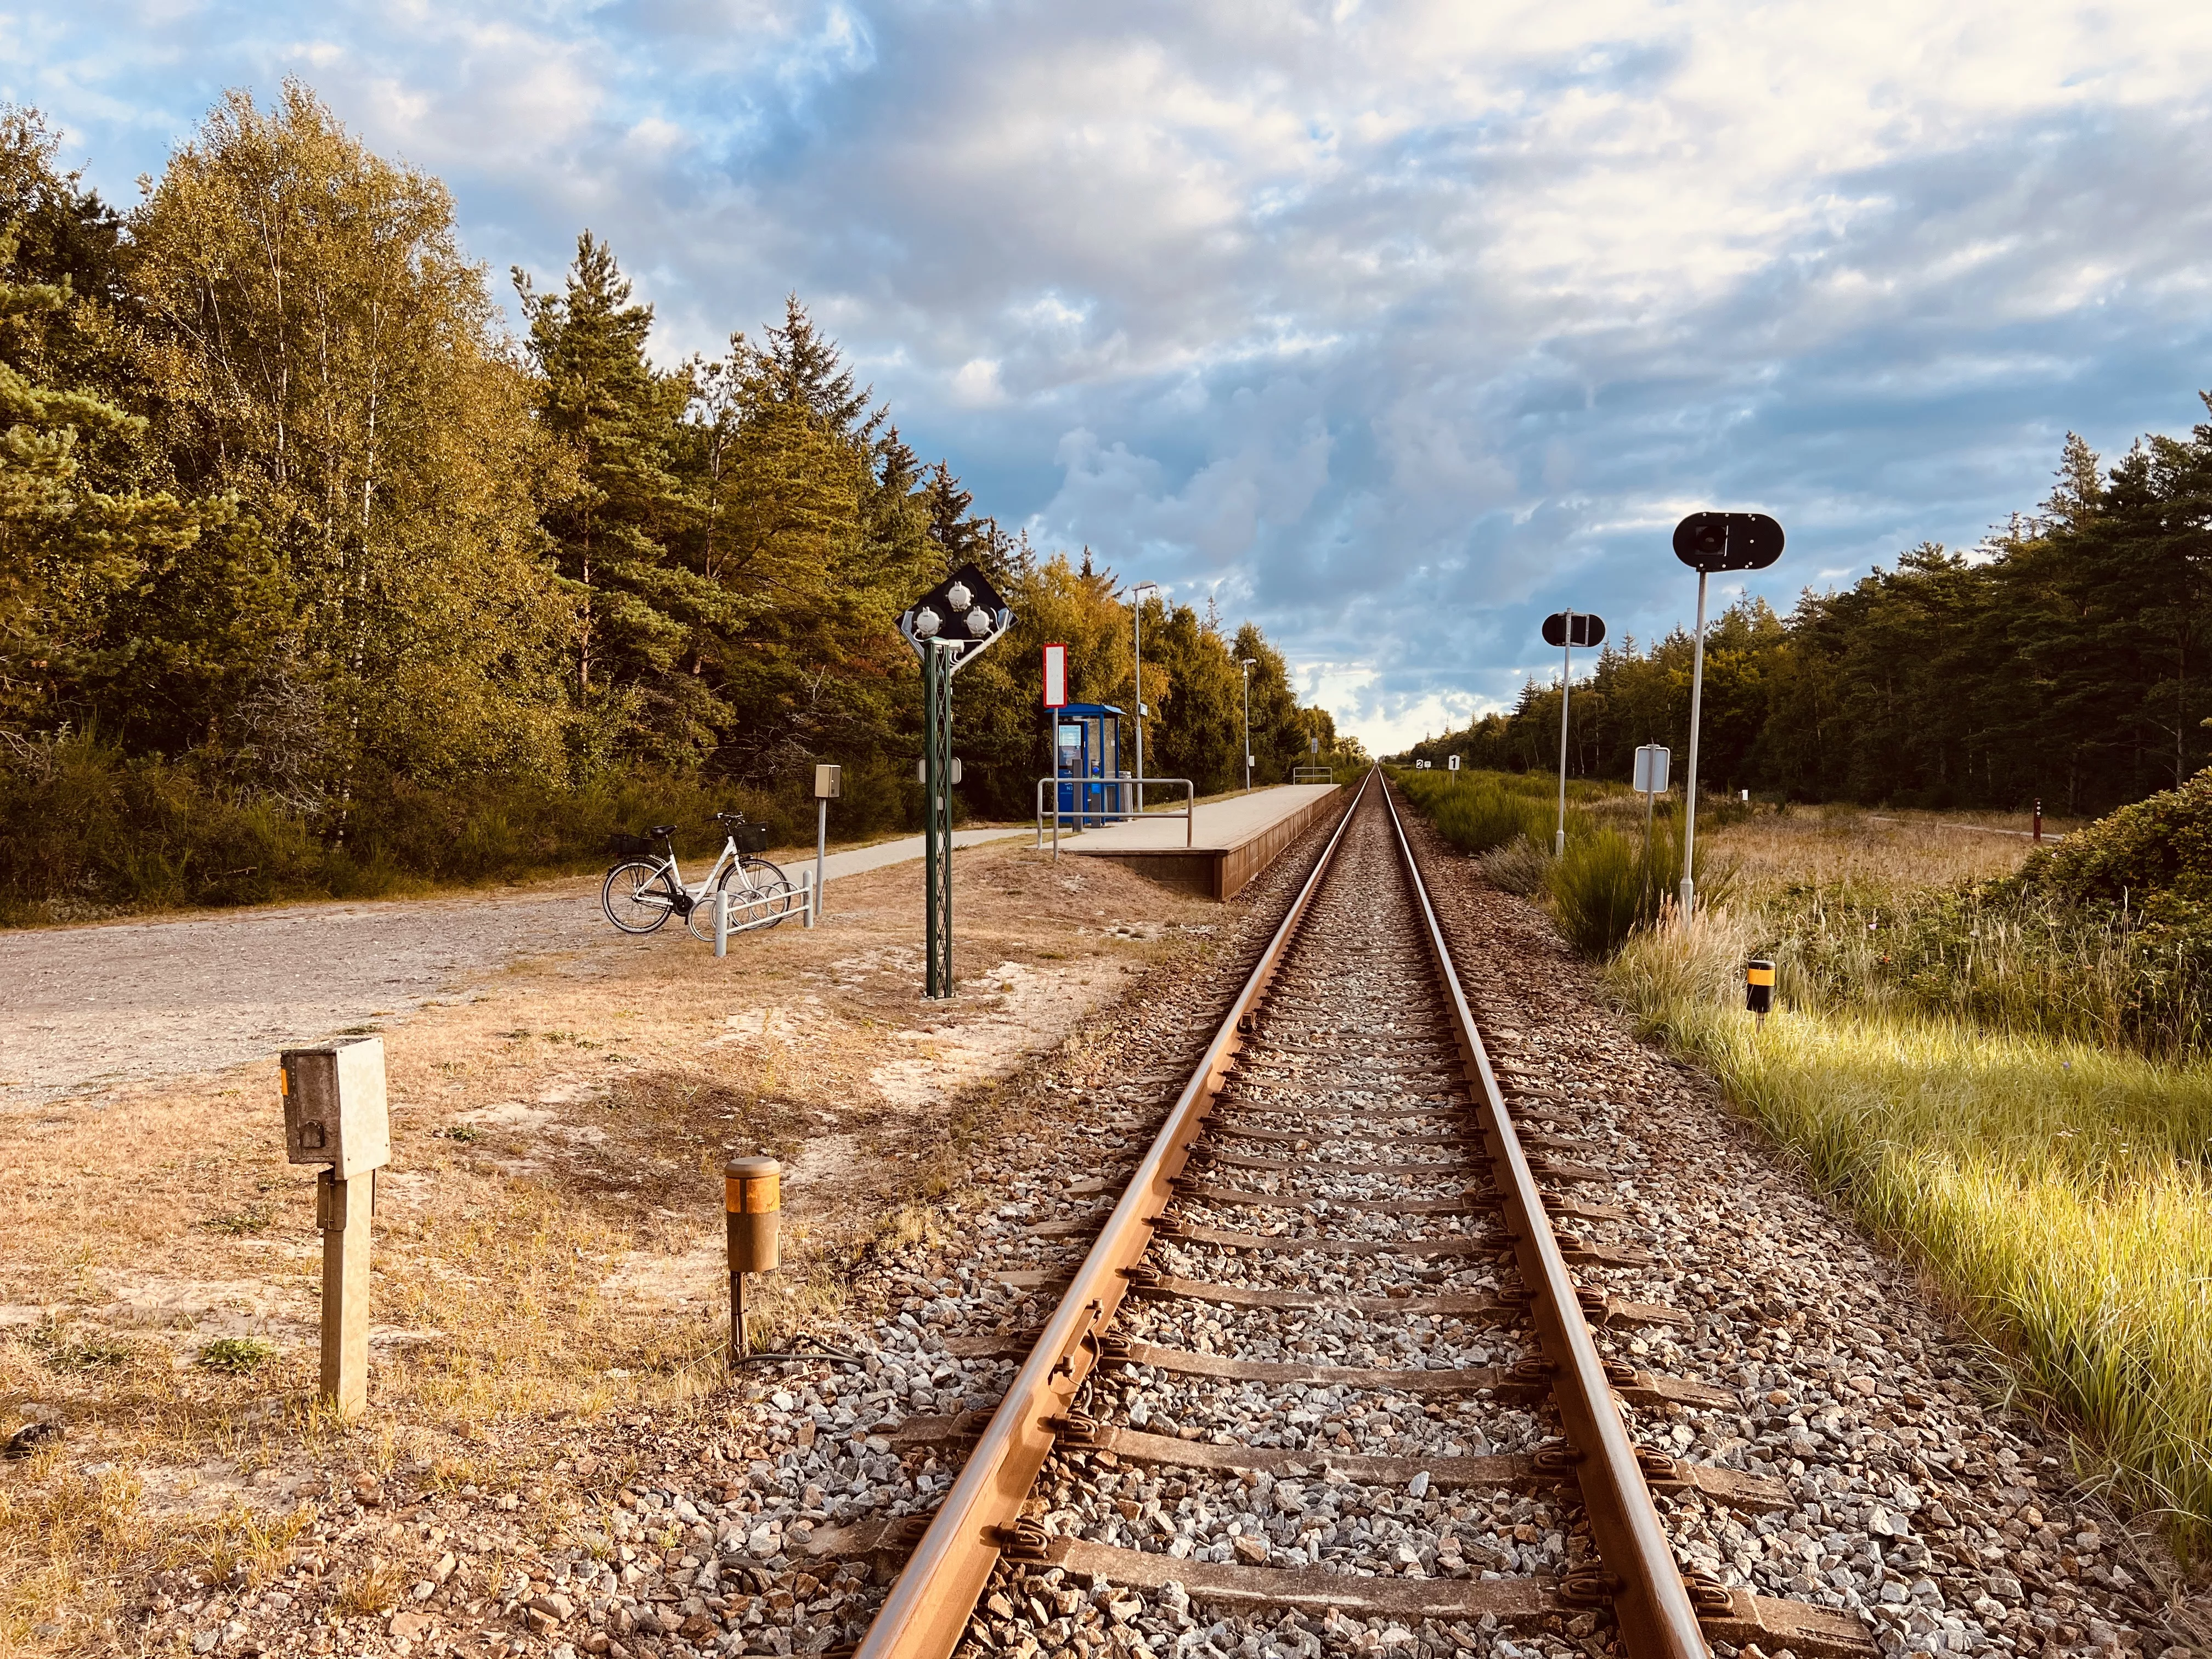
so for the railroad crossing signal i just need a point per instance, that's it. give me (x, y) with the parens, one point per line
(1567, 629)
(1573, 628)
(948, 628)
(1707, 542)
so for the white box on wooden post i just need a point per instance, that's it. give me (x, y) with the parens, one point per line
(336, 1114)
(335, 1109)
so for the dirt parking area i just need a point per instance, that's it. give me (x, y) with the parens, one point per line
(548, 1236)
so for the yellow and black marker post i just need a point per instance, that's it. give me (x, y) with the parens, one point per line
(752, 1201)
(1759, 988)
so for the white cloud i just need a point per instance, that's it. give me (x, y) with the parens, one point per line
(1397, 323)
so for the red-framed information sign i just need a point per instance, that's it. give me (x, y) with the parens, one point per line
(1055, 677)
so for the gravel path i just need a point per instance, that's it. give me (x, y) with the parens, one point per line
(85, 1009)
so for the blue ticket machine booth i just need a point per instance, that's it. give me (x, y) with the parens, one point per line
(1087, 755)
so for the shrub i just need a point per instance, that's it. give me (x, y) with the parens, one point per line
(2154, 856)
(1479, 811)
(86, 832)
(1519, 867)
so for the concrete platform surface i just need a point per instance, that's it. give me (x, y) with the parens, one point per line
(1231, 842)
(1221, 824)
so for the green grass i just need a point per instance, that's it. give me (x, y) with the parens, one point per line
(2059, 1190)
(240, 1356)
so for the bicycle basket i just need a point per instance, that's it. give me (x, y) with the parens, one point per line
(751, 838)
(625, 846)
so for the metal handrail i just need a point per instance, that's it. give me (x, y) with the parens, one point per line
(1189, 814)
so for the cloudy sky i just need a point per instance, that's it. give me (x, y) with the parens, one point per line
(1393, 327)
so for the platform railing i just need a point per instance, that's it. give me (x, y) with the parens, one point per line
(1189, 813)
(1313, 774)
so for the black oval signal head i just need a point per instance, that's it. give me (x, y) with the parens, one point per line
(1573, 628)
(1727, 541)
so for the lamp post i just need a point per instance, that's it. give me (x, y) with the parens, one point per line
(948, 627)
(1137, 626)
(1567, 629)
(1707, 542)
(1245, 663)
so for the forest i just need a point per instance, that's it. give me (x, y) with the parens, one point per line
(316, 576)
(2069, 659)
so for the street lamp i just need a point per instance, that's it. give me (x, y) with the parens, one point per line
(1245, 663)
(1136, 623)
(1707, 542)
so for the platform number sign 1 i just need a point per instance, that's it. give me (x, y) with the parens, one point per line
(949, 627)
(1707, 542)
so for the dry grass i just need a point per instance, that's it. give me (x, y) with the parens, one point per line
(2056, 1189)
(557, 1258)
(1855, 846)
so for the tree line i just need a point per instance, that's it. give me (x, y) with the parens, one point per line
(2068, 659)
(309, 565)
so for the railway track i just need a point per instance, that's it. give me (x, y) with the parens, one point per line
(1345, 1351)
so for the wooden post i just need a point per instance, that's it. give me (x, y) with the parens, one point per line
(342, 1210)
(335, 1115)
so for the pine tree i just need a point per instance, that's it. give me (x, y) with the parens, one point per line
(617, 417)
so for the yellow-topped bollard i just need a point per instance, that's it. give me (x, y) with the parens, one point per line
(752, 1205)
(1759, 988)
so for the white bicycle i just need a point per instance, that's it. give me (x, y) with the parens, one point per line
(641, 893)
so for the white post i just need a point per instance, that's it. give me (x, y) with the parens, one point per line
(1690, 784)
(1248, 725)
(809, 897)
(721, 922)
(1566, 687)
(1137, 622)
(820, 846)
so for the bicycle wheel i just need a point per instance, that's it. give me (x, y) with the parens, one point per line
(775, 896)
(635, 896)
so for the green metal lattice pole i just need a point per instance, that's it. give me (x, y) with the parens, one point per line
(937, 811)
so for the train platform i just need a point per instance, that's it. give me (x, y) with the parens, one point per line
(1230, 841)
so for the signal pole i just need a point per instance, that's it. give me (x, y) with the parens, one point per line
(1707, 542)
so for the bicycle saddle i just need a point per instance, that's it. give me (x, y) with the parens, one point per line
(660, 830)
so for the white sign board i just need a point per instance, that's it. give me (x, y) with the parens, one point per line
(1451, 763)
(1055, 677)
(1651, 770)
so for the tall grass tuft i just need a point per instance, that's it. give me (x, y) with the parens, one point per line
(1601, 891)
(2059, 1189)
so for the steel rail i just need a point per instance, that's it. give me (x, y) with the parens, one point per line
(928, 1608)
(1650, 1603)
